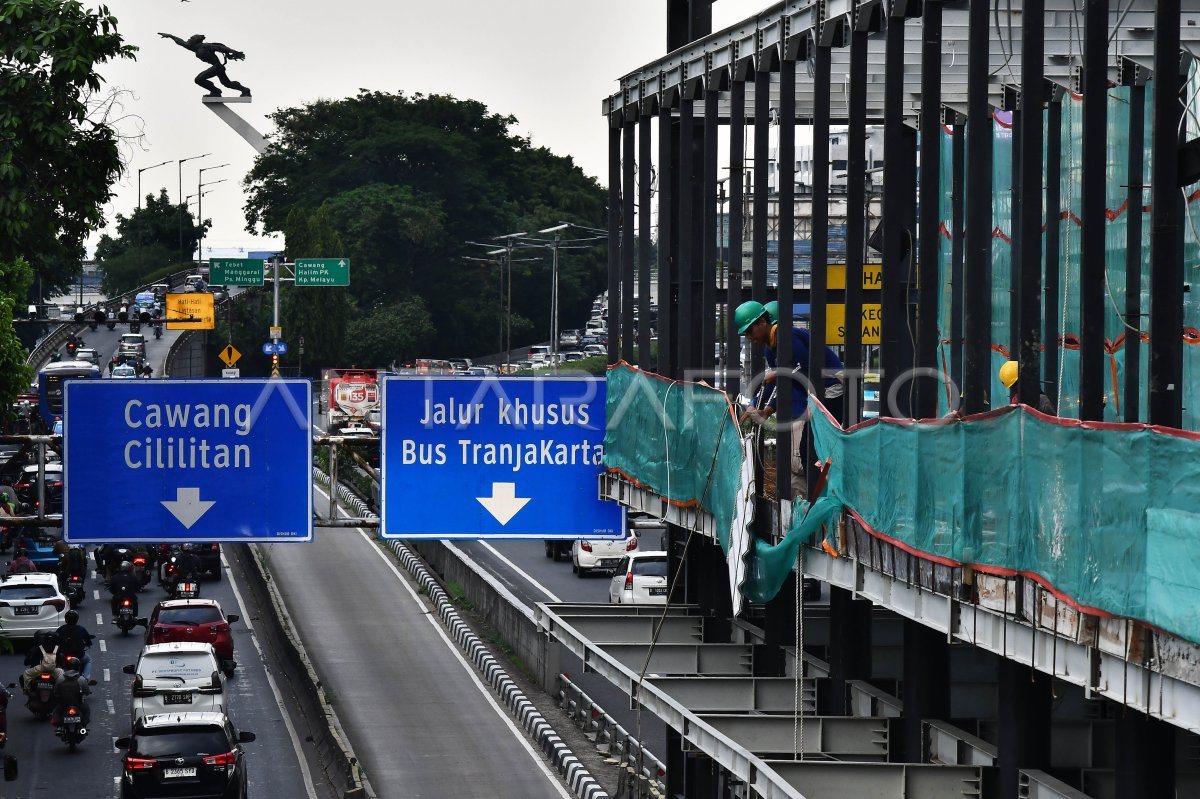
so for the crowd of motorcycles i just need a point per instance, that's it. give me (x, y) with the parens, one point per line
(57, 682)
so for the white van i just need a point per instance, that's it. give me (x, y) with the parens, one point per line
(539, 353)
(178, 676)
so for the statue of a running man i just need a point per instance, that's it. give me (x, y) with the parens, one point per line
(210, 53)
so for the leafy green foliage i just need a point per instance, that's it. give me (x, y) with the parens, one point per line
(16, 276)
(396, 333)
(405, 183)
(132, 267)
(56, 164)
(149, 239)
(316, 315)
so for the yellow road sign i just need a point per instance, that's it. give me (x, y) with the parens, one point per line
(192, 311)
(835, 278)
(835, 323)
(230, 355)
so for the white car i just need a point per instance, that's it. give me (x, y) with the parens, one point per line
(595, 349)
(357, 430)
(640, 579)
(175, 677)
(29, 603)
(124, 372)
(594, 554)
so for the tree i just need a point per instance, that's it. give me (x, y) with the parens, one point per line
(146, 241)
(407, 182)
(318, 315)
(16, 276)
(395, 334)
(57, 162)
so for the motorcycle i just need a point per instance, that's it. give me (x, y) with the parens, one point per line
(75, 592)
(141, 570)
(126, 616)
(71, 728)
(186, 589)
(158, 331)
(39, 695)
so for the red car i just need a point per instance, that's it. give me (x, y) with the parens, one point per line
(199, 620)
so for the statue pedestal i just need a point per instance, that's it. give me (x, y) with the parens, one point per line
(226, 99)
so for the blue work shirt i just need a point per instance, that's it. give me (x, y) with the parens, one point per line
(800, 346)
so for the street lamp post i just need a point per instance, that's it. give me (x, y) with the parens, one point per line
(200, 184)
(181, 202)
(557, 231)
(139, 226)
(139, 180)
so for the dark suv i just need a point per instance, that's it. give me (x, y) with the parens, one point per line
(209, 556)
(184, 754)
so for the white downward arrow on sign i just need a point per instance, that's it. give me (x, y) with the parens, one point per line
(504, 502)
(187, 506)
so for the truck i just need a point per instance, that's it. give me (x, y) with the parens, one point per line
(352, 393)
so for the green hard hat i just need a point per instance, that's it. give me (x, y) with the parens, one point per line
(747, 314)
(772, 309)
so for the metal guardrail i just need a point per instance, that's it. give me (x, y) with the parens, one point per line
(643, 775)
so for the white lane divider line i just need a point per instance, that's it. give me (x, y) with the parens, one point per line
(111, 707)
(107, 675)
(103, 646)
(116, 780)
(309, 788)
(99, 618)
(96, 594)
(500, 556)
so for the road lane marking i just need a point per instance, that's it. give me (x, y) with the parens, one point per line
(112, 709)
(309, 788)
(519, 571)
(107, 676)
(99, 618)
(96, 594)
(103, 646)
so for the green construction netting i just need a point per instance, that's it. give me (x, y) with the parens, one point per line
(1107, 516)
(1062, 384)
(682, 441)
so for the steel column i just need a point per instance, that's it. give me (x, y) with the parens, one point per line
(686, 175)
(822, 58)
(666, 226)
(929, 230)
(785, 170)
(849, 647)
(1092, 206)
(1024, 700)
(614, 233)
(1053, 247)
(762, 161)
(1144, 756)
(1029, 287)
(645, 178)
(1166, 225)
(895, 297)
(1132, 390)
(733, 267)
(628, 195)
(708, 288)
(977, 305)
(856, 174)
(958, 167)
(926, 681)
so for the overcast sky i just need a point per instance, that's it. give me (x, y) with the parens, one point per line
(549, 63)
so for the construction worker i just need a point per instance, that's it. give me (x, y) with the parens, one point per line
(754, 322)
(1008, 376)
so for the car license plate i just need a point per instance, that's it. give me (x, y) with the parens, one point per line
(175, 773)
(72, 720)
(25, 610)
(177, 699)
(658, 591)
(609, 563)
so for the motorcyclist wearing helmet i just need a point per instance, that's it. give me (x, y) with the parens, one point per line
(69, 691)
(42, 657)
(71, 563)
(124, 585)
(74, 640)
(21, 564)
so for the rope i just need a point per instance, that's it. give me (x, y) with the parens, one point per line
(1063, 286)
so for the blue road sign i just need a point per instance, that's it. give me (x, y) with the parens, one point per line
(281, 347)
(515, 457)
(268, 348)
(187, 460)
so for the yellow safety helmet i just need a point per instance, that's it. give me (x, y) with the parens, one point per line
(1008, 373)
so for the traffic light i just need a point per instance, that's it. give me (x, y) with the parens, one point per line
(79, 314)
(123, 314)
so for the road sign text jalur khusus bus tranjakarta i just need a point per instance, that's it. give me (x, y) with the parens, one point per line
(187, 460)
(515, 457)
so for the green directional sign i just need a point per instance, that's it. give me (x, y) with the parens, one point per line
(322, 271)
(236, 271)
